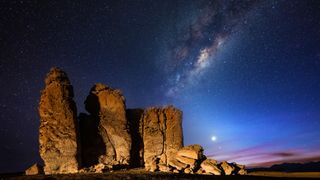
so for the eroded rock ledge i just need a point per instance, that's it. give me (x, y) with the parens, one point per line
(111, 136)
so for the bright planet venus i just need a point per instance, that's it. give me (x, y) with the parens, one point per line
(247, 70)
(213, 138)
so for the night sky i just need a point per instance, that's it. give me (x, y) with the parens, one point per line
(246, 74)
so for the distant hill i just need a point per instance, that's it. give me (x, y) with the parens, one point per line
(292, 167)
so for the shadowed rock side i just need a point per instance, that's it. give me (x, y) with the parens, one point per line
(58, 132)
(92, 145)
(161, 134)
(134, 117)
(108, 107)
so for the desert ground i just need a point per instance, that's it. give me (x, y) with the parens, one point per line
(141, 174)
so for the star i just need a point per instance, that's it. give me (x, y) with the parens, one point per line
(213, 138)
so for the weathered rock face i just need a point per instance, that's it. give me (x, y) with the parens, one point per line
(161, 134)
(108, 107)
(156, 136)
(34, 170)
(58, 132)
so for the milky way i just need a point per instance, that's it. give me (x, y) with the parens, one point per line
(245, 72)
(200, 40)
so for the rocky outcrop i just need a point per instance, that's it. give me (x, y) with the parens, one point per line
(156, 135)
(191, 160)
(161, 134)
(112, 136)
(34, 170)
(107, 107)
(58, 132)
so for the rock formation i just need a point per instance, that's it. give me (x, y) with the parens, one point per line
(162, 134)
(107, 107)
(210, 166)
(187, 157)
(227, 168)
(34, 170)
(192, 151)
(158, 134)
(112, 136)
(58, 132)
(191, 160)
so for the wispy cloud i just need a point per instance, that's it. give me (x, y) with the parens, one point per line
(263, 155)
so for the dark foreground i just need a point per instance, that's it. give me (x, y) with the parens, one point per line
(138, 174)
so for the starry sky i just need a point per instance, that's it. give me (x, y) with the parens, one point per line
(246, 74)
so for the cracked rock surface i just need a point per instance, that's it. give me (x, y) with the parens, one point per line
(162, 134)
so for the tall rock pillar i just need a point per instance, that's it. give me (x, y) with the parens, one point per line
(162, 134)
(58, 132)
(108, 107)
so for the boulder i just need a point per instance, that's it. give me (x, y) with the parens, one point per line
(188, 171)
(210, 166)
(176, 171)
(240, 169)
(228, 169)
(200, 171)
(242, 172)
(35, 169)
(192, 151)
(176, 164)
(58, 132)
(153, 164)
(107, 105)
(185, 160)
(164, 168)
(100, 168)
